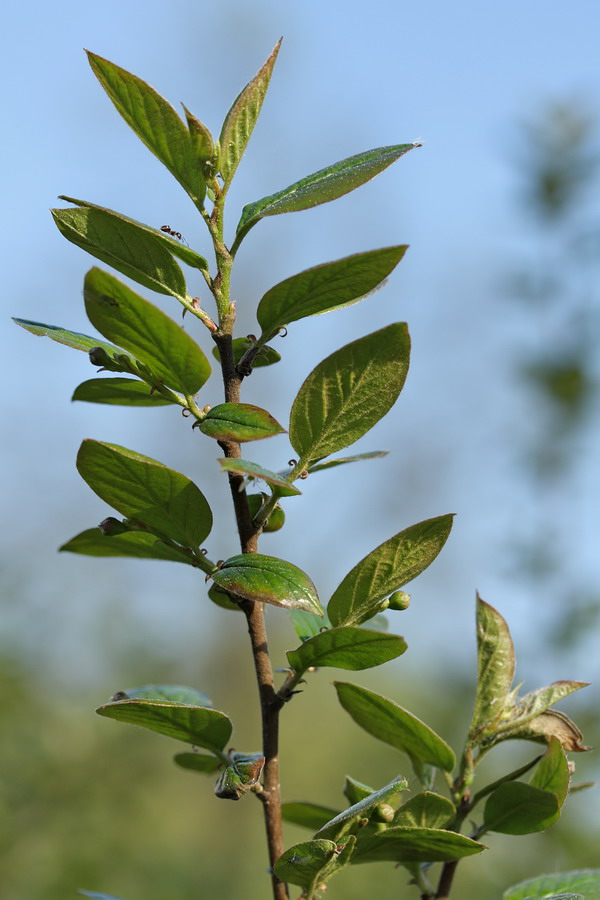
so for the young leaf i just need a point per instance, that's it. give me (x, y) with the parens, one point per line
(341, 461)
(123, 246)
(203, 145)
(393, 725)
(326, 287)
(347, 393)
(175, 247)
(322, 186)
(197, 762)
(400, 844)
(267, 579)
(240, 776)
(584, 882)
(551, 723)
(168, 693)
(154, 121)
(387, 568)
(496, 669)
(253, 470)
(313, 862)
(197, 725)
(240, 120)
(307, 815)
(519, 808)
(337, 827)
(69, 338)
(141, 328)
(265, 357)
(533, 704)
(425, 810)
(239, 422)
(166, 502)
(346, 648)
(552, 771)
(119, 392)
(134, 544)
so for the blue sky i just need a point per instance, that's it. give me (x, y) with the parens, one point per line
(349, 77)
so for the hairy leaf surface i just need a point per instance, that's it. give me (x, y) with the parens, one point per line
(240, 422)
(347, 393)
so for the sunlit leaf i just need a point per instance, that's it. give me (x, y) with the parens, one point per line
(174, 246)
(347, 393)
(582, 882)
(239, 422)
(387, 568)
(168, 693)
(347, 648)
(393, 725)
(496, 668)
(133, 252)
(69, 338)
(552, 771)
(241, 118)
(253, 470)
(154, 121)
(140, 488)
(197, 725)
(325, 287)
(266, 579)
(327, 184)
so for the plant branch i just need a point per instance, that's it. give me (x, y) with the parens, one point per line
(446, 879)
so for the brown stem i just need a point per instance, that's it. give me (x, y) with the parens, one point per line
(270, 703)
(446, 878)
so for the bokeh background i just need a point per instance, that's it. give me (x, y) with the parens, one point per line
(498, 422)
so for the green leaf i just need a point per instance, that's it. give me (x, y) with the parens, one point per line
(496, 669)
(203, 145)
(585, 882)
(327, 184)
(69, 338)
(195, 725)
(123, 246)
(387, 568)
(402, 844)
(166, 502)
(222, 599)
(267, 579)
(347, 393)
(306, 625)
(551, 723)
(519, 808)
(119, 392)
(355, 790)
(240, 776)
(312, 862)
(341, 461)
(552, 772)
(141, 328)
(175, 247)
(154, 121)
(134, 544)
(425, 810)
(325, 287)
(524, 709)
(198, 762)
(168, 693)
(239, 422)
(253, 470)
(240, 120)
(266, 356)
(307, 815)
(339, 826)
(393, 725)
(347, 648)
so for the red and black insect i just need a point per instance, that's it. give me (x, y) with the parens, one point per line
(169, 230)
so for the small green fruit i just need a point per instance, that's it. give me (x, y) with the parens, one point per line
(399, 600)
